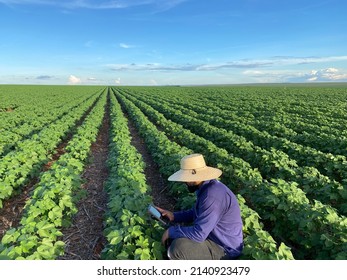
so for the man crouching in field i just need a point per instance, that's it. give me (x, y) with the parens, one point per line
(216, 230)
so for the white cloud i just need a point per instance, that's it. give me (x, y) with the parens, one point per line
(44, 77)
(153, 82)
(117, 81)
(160, 5)
(282, 76)
(328, 74)
(331, 70)
(126, 46)
(312, 79)
(283, 60)
(235, 64)
(73, 80)
(269, 76)
(150, 67)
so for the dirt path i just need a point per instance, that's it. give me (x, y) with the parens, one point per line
(11, 213)
(84, 239)
(159, 192)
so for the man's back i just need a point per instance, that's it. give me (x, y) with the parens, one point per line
(217, 209)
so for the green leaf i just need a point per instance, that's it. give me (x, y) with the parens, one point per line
(136, 231)
(142, 242)
(123, 256)
(285, 252)
(45, 252)
(3, 257)
(142, 254)
(158, 250)
(45, 229)
(10, 236)
(114, 237)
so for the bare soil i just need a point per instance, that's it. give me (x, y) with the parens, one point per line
(11, 212)
(153, 177)
(84, 238)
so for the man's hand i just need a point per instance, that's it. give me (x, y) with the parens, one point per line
(166, 213)
(165, 237)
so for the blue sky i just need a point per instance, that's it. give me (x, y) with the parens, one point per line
(159, 42)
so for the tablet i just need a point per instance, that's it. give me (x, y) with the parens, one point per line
(157, 215)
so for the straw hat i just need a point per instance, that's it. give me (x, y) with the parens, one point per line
(194, 169)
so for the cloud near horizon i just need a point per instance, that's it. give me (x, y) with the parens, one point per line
(184, 67)
(241, 64)
(73, 80)
(44, 77)
(329, 74)
(279, 76)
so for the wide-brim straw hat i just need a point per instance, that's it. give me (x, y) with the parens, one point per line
(194, 169)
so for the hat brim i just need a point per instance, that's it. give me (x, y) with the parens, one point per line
(202, 174)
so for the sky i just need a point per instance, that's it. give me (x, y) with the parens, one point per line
(172, 42)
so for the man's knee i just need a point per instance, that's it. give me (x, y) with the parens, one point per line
(180, 249)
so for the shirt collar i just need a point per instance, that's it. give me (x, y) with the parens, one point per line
(203, 186)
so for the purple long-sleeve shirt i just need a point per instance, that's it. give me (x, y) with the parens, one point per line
(216, 216)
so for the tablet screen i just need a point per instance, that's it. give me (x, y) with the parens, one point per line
(154, 211)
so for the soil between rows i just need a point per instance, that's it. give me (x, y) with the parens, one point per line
(11, 212)
(153, 177)
(84, 239)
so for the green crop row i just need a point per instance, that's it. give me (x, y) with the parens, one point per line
(292, 110)
(258, 243)
(291, 215)
(17, 167)
(334, 166)
(128, 229)
(18, 126)
(25, 105)
(52, 202)
(297, 114)
(272, 164)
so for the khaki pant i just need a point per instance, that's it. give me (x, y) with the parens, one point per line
(186, 249)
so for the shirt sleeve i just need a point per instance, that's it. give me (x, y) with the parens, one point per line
(208, 215)
(186, 216)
